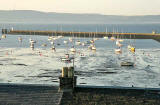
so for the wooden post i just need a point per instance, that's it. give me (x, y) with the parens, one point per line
(67, 80)
(65, 72)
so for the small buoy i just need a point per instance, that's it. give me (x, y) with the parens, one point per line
(40, 54)
(132, 49)
(6, 53)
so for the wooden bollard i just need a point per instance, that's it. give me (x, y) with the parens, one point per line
(70, 72)
(65, 72)
(67, 80)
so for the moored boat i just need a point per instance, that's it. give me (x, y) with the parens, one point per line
(125, 63)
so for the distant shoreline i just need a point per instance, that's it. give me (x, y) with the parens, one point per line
(30, 16)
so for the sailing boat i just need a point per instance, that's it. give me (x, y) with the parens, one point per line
(78, 42)
(118, 51)
(82, 53)
(83, 43)
(106, 37)
(93, 47)
(52, 42)
(131, 48)
(65, 42)
(73, 49)
(55, 38)
(82, 56)
(90, 47)
(50, 38)
(32, 44)
(118, 43)
(53, 48)
(92, 41)
(3, 36)
(70, 39)
(113, 38)
(44, 45)
(127, 62)
(66, 59)
(32, 41)
(20, 39)
(60, 36)
(95, 36)
(120, 40)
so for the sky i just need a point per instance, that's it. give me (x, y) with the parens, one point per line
(106, 7)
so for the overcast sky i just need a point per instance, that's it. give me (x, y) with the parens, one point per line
(108, 7)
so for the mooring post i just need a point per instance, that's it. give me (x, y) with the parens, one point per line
(67, 81)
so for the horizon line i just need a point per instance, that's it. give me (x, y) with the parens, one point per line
(81, 13)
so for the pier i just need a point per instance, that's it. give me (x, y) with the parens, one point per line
(29, 94)
(68, 93)
(153, 35)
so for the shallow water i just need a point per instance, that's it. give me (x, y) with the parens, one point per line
(19, 64)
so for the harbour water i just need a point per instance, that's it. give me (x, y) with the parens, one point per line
(19, 64)
(129, 28)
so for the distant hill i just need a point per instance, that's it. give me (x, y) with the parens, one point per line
(29, 16)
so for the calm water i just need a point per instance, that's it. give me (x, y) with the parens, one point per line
(101, 68)
(135, 28)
